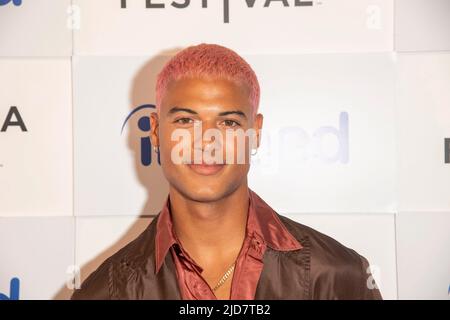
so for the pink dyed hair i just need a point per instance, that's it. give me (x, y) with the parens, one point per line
(208, 61)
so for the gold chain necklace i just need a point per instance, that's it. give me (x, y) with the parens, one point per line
(224, 277)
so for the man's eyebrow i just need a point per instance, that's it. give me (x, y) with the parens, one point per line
(221, 114)
(238, 112)
(181, 109)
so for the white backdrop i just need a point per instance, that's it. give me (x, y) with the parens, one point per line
(360, 88)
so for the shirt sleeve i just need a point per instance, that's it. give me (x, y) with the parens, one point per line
(370, 290)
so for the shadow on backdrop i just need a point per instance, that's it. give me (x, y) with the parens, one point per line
(142, 92)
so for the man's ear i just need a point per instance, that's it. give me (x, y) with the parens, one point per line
(258, 127)
(154, 131)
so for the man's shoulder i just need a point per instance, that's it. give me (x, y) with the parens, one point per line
(336, 271)
(323, 249)
(132, 258)
(135, 253)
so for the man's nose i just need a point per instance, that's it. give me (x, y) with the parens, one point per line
(206, 134)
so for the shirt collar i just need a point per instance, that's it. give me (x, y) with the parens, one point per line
(262, 221)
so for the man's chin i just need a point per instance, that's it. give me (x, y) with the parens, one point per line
(204, 193)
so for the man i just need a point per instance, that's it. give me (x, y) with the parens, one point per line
(215, 238)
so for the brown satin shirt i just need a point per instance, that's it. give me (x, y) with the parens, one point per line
(263, 229)
(297, 263)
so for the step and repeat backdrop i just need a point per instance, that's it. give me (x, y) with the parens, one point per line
(356, 140)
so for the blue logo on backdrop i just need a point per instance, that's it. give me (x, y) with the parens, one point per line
(297, 145)
(13, 290)
(15, 2)
(143, 124)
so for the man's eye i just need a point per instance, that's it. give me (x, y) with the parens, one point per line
(184, 121)
(231, 123)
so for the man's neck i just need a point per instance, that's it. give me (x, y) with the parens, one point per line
(211, 230)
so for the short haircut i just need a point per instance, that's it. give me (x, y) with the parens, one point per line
(208, 61)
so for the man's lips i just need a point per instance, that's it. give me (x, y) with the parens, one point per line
(206, 169)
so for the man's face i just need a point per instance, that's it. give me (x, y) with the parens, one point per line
(217, 104)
